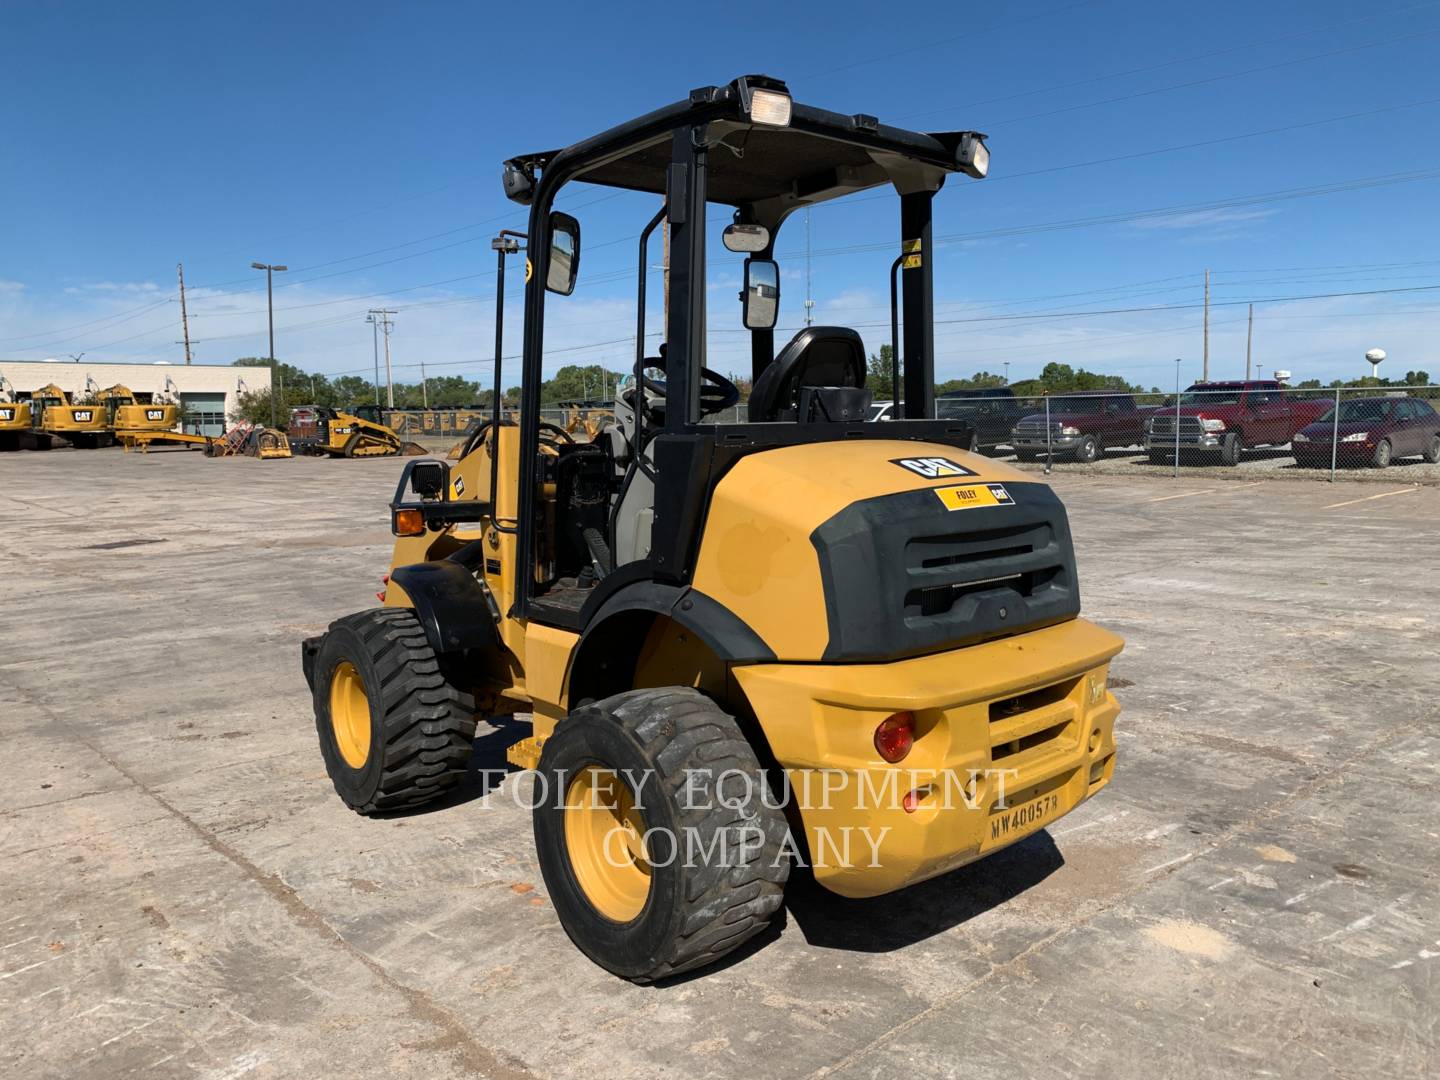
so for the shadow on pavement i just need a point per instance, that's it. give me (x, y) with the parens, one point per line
(890, 922)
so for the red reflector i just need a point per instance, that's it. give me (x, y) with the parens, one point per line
(895, 736)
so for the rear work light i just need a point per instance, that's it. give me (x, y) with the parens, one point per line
(409, 523)
(894, 736)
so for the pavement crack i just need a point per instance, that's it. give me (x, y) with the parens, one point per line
(1304, 791)
(453, 1036)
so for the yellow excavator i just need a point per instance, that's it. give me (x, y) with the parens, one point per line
(83, 424)
(130, 416)
(17, 421)
(360, 432)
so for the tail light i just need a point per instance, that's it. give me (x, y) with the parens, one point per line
(895, 735)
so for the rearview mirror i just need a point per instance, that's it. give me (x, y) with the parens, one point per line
(746, 238)
(761, 295)
(564, 254)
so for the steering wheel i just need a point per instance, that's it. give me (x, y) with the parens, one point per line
(716, 392)
(556, 430)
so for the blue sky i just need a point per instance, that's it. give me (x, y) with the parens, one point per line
(360, 144)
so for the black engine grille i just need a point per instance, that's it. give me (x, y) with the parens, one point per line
(904, 575)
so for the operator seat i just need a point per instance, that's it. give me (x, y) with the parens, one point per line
(818, 358)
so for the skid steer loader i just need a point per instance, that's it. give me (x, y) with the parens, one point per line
(320, 430)
(743, 646)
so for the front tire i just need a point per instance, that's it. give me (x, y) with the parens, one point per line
(1432, 452)
(1230, 450)
(1087, 451)
(654, 835)
(1382, 456)
(393, 731)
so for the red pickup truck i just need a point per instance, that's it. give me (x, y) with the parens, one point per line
(1224, 418)
(1081, 427)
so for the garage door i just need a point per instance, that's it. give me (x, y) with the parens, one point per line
(206, 413)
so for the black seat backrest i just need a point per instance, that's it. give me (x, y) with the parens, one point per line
(816, 356)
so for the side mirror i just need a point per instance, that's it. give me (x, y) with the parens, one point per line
(761, 295)
(746, 238)
(564, 254)
(428, 478)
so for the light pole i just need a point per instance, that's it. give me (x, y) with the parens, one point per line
(270, 272)
(1007, 372)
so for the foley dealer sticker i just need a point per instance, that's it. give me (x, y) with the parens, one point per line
(968, 495)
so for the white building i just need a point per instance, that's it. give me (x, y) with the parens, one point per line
(210, 391)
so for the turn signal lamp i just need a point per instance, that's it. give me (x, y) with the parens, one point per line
(408, 523)
(894, 736)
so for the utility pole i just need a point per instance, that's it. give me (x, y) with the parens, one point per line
(385, 324)
(1249, 340)
(1007, 372)
(665, 261)
(270, 271)
(424, 388)
(1205, 367)
(375, 344)
(184, 316)
(809, 299)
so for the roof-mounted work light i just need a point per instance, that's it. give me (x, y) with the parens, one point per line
(973, 156)
(764, 100)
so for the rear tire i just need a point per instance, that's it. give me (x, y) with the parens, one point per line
(645, 771)
(1382, 456)
(393, 731)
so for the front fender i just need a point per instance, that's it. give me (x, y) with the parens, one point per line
(455, 609)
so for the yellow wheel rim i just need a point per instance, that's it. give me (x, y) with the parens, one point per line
(604, 837)
(350, 715)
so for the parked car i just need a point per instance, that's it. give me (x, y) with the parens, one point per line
(993, 412)
(1082, 427)
(1372, 431)
(1224, 418)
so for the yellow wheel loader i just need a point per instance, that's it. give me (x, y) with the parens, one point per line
(320, 430)
(803, 640)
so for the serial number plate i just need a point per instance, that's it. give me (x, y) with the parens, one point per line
(1017, 821)
(968, 495)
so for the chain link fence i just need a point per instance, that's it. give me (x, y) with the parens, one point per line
(1253, 426)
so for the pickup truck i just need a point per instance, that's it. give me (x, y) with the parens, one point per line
(992, 412)
(1224, 418)
(1082, 427)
